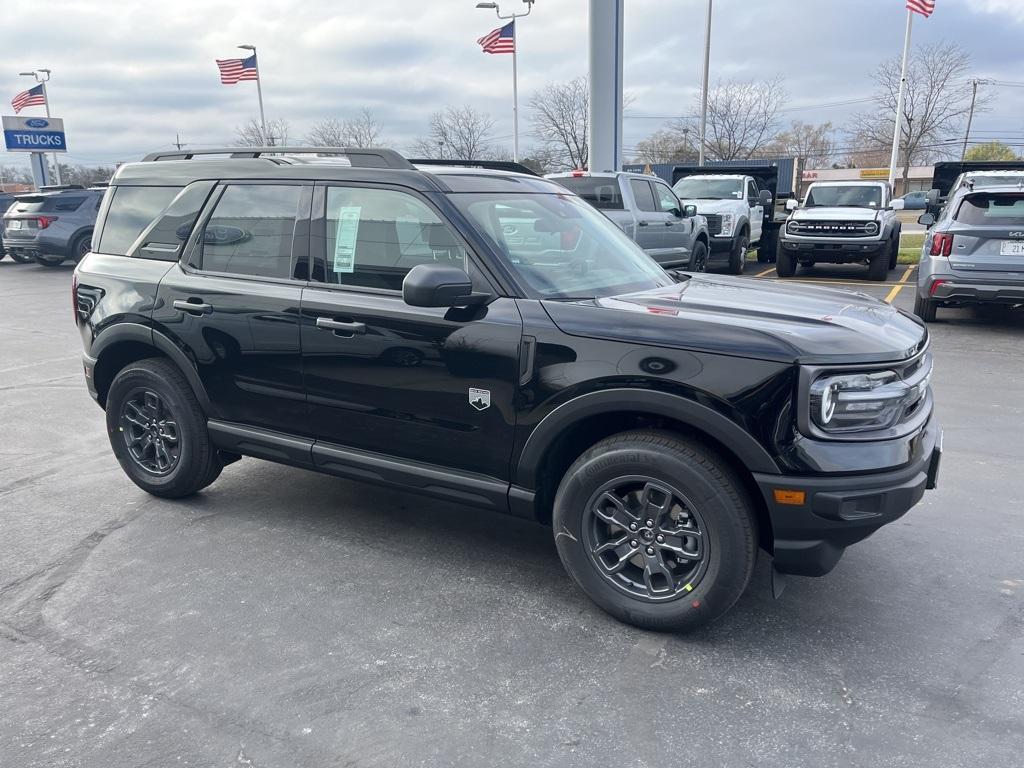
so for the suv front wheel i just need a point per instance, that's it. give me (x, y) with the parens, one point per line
(656, 529)
(158, 430)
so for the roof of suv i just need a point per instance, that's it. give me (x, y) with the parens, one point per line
(328, 164)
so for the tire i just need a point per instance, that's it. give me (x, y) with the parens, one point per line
(895, 253)
(738, 256)
(785, 265)
(49, 260)
(80, 246)
(878, 267)
(699, 257)
(176, 412)
(768, 248)
(21, 258)
(610, 480)
(925, 308)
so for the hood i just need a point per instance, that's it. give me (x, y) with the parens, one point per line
(725, 205)
(831, 214)
(767, 320)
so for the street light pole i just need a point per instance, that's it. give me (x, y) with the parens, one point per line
(704, 87)
(42, 76)
(259, 93)
(515, 74)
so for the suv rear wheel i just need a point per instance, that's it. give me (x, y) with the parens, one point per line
(656, 529)
(158, 431)
(925, 308)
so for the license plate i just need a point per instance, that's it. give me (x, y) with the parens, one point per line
(1011, 248)
(14, 224)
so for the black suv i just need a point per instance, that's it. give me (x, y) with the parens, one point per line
(374, 319)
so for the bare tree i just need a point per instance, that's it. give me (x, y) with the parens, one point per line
(743, 117)
(561, 112)
(813, 144)
(360, 131)
(937, 101)
(15, 174)
(667, 145)
(250, 134)
(84, 174)
(457, 133)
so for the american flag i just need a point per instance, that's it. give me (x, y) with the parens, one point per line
(29, 98)
(500, 40)
(234, 70)
(925, 7)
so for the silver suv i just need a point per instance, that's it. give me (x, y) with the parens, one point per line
(974, 252)
(51, 226)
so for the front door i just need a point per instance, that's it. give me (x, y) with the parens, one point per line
(232, 303)
(429, 385)
(756, 211)
(678, 230)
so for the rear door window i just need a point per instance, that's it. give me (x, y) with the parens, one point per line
(601, 192)
(132, 209)
(643, 194)
(992, 210)
(251, 231)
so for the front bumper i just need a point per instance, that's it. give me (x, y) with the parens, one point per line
(978, 292)
(840, 511)
(722, 243)
(837, 252)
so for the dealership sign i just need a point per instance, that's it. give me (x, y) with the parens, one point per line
(34, 134)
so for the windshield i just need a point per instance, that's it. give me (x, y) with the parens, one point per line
(709, 189)
(561, 247)
(852, 196)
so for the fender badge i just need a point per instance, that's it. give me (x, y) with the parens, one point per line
(480, 398)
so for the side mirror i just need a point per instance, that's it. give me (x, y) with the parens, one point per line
(792, 204)
(765, 198)
(689, 211)
(898, 204)
(926, 218)
(439, 285)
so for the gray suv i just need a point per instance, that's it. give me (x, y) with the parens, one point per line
(51, 226)
(974, 252)
(646, 209)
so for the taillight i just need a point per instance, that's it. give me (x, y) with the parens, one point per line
(579, 172)
(942, 244)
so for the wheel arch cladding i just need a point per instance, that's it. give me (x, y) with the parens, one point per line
(565, 433)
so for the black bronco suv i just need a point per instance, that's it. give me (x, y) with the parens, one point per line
(487, 337)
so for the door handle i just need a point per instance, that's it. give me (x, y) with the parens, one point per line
(327, 324)
(192, 307)
(643, 223)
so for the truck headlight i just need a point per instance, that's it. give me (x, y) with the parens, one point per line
(793, 226)
(861, 401)
(727, 224)
(871, 228)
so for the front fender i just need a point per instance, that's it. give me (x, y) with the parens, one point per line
(671, 406)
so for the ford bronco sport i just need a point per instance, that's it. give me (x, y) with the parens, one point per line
(371, 320)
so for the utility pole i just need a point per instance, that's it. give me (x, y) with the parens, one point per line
(970, 115)
(704, 87)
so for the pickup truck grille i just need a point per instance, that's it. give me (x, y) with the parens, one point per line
(833, 228)
(714, 223)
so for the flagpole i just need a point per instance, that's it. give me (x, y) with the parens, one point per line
(515, 96)
(259, 93)
(894, 159)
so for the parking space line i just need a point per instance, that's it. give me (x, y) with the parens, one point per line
(900, 285)
(766, 272)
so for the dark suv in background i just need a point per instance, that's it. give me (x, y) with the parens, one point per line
(375, 322)
(51, 226)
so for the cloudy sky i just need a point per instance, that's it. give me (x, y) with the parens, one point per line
(129, 74)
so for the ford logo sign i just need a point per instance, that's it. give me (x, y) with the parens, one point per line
(37, 122)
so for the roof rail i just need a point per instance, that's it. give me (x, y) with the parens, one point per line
(358, 156)
(493, 165)
(59, 187)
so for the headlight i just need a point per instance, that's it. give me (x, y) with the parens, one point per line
(793, 226)
(727, 221)
(871, 228)
(861, 401)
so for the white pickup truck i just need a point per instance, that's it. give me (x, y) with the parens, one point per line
(842, 222)
(739, 215)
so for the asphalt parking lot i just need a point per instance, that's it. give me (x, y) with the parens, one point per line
(287, 619)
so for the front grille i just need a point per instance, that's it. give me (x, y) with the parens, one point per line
(832, 228)
(714, 223)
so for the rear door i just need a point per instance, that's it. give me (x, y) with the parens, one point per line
(988, 233)
(232, 302)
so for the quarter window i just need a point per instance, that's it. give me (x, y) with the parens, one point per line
(375, 236)
(251, 231)
(132, 209)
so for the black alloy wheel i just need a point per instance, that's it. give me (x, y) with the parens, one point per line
(646, 538)
(150, 432)
(699, 258)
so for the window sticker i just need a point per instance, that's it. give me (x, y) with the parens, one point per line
(345, 239)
